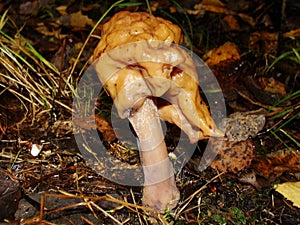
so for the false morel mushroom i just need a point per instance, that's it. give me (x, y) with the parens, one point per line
(150, 77)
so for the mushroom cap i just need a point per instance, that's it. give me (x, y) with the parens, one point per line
(135, 60)
(127, 27)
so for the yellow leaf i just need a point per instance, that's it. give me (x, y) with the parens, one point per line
(228, 51)
(62, 9)
(213, 2)
(79, 20)
(291, 191)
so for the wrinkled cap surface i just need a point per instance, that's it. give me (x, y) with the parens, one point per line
(126, 27)
(135, 60)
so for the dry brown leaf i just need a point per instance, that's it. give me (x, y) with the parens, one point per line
(96, 122)
(54, 30)
(233, 156)
(269, 41)
(79, 20)
(216, 9)
(216, 6)
(231, 22)
(154, 6)
(210, 6)
(62, 9)
(213, 2)
(2, 130)
(291, 191)
(273, 86)
(105, 128)
(277, 163)
(173, 9)
(227, 51)
(292, 34)
(247, 19)
(264, 41)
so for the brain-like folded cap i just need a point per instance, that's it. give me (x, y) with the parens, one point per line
(126, 27)
(135, 59)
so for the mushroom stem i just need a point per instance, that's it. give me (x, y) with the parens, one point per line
(160, 191)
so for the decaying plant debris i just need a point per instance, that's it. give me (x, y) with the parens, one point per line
(251, 46)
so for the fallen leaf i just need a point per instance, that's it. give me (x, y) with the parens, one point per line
(2, 130)
(29, 7)
(266, 90)
(62, 9)
(96, 122)
(258, 182)
(277, 163)
(154, 6)
(247, 19)
(213, 2)
(173, 9)
(292, 34)
(291, 191)
(50, 29)
(231, 22)
(232, 156)
(227, 51)
(210, 6)
(240, 126)
(216, 6)
(79, 20)
(264, 41)
(273, 86)
(10, 193)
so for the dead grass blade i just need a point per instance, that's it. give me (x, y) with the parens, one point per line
(27, 74)
(90, 202)
(183, 205)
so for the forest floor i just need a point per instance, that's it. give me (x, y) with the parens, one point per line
(251, 47)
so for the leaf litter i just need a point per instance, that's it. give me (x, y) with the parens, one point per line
(31, 115)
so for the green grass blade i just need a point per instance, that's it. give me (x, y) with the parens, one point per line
(30, 51)
(148, 6)
(290, 137)
(130, 4)
(277, 137)
(13, 55)
(90, 34)
(186, 18)
(287, 122)
(284, 55)
(284, 99)
(38, 56)
(296, 52)
(3, 20)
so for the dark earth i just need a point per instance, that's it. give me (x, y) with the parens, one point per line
(253, 49)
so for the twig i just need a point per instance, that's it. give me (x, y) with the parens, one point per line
(106, 213)
(133, 199)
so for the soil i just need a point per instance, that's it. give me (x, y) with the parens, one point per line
(66, 183)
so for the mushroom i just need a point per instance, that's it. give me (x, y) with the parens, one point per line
(150, 78)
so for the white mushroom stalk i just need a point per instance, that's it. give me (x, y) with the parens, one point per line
(137, 63)
(160, 189)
